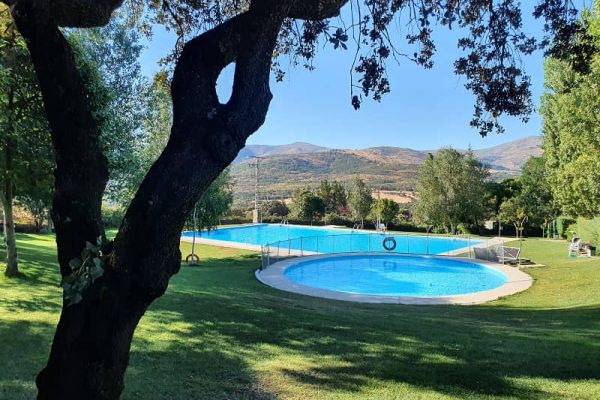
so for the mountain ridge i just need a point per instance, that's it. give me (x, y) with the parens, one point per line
(284, 168)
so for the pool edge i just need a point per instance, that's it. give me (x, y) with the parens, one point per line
(518, 281)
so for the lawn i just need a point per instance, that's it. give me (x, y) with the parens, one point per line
(219, 334)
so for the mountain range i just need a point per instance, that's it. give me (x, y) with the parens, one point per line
(391, 169)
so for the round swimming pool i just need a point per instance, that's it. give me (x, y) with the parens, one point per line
(395, 275)
(395, 278)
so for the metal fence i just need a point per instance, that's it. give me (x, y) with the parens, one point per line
(464, 246)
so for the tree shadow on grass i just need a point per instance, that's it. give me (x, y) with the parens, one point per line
(190, 372)
(460, 351)
(23, 353)
(38, 264)
(204, 338)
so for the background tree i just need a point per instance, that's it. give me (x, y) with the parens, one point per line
(26, 152)
(536, 195)
(386, 209)
(156, 127)
(275, 208)
(451, 190)
(114, 51)
(360, 200)
(307, 205)
(571, 130)
(334, 196)
(90, 351)
(497, 193)
(512, 211)
(214, 203)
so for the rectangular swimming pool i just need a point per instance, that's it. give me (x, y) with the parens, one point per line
(328, 240)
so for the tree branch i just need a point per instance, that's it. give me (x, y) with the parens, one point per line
(205, 137)
(74, 13)
(316, 9)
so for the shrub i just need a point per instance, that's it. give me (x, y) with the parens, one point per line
(587, 229)
(336, 219)
(564, 225)
(112, 216)
(463, 229)
(275, 208)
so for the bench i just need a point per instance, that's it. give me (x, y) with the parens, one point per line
(501, 254)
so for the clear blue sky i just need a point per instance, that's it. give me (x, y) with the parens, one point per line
(426, 109)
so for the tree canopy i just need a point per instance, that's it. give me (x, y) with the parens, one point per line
(529, 200)
(492, 41)
(386, 209)
(451, 190)
(570, 111)
(334, 196)
(360, 200)
(307, 205)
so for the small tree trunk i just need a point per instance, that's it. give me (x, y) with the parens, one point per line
(49, 220)
(12, 266)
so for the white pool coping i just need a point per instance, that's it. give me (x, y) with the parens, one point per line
(273, 276)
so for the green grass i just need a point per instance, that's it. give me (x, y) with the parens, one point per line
(219, 334)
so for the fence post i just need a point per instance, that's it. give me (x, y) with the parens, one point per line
(268, 256)
(301, 246)
(470, 246)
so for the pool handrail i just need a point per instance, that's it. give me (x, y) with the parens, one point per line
(267, 258)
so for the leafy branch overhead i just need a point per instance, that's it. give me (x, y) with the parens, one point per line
(492, 44)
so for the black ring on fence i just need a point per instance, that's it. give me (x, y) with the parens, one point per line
(389, 243)
(192, 259)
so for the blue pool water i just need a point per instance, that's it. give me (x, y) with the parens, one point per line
(320, 240)
(396, 275)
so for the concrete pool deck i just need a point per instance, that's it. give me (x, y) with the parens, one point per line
(273, 276)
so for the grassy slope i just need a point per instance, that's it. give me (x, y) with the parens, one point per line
(219, 334)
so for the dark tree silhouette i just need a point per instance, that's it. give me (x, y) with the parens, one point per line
(106, 299)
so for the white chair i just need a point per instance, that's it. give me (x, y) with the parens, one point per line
(574, 247)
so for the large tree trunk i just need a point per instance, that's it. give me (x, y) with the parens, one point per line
(90, 350)
(12, 263)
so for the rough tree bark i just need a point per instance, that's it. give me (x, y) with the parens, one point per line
(90, 350)
(12, 263)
